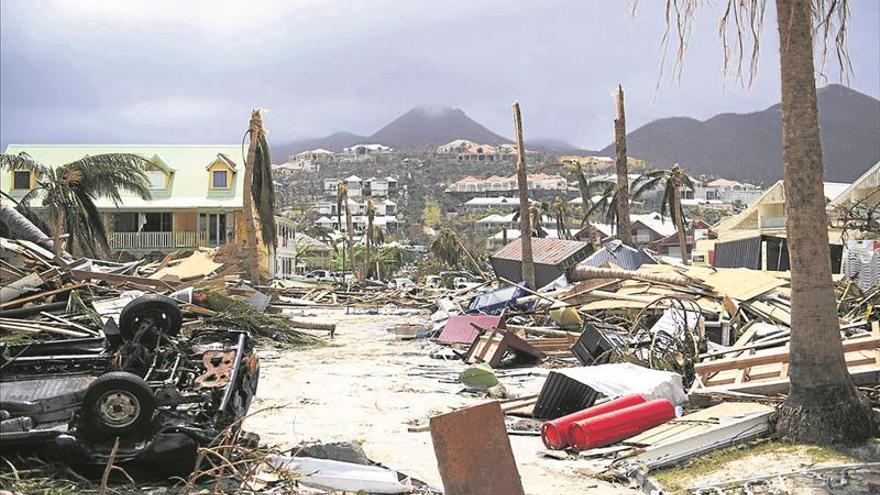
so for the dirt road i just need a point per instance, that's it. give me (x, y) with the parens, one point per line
(362, 388)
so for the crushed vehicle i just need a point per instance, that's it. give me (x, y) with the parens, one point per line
(162, 394)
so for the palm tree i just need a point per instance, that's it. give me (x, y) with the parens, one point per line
(560, 212)
(606, 205)
(69, 191)
(671, 181)
(341, 202)
(536, 215)
(823, 405)
(449, 249)
(371, 214)
(258, 202)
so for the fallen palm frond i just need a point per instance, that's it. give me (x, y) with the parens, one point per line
(231, 311)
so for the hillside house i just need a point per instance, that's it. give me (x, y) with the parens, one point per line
(496, 185)
(365, 152)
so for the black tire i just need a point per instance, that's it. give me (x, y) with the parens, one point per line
(117, 404)
(148, 314)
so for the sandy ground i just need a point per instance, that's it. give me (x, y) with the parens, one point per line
(361, 388)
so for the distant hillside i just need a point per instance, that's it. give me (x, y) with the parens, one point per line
(749, 146)
(556, 146)
(418, 127)
(428, 125)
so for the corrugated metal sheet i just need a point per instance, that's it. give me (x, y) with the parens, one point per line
(562, 395)
(551, 257)
(748, 253)
(742, 253)
(545, 251)
(619, 254)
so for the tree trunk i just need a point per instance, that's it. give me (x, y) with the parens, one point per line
(623, 223)
(350, 237)
(339, 203)
(21, 228)
(525, 229)
(679, 222)
(823, 405)
(369, 246)
(250, 228)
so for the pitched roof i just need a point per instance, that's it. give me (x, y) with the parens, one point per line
(545, 250)
(187, 188)
(871, 178)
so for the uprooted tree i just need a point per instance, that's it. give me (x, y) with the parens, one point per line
(823, 405)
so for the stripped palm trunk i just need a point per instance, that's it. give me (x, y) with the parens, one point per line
(623, 221)
(255, 129)
(525, 229)
(679, 222)
(367, 257)
(823, 405)
(350, 237)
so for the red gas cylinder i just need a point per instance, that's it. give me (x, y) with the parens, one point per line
(621, 424)
(555, 433)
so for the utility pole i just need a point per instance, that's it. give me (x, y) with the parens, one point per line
(623, 224)
(525, 228)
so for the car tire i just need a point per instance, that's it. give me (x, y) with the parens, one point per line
(149, 313)
(117, 404)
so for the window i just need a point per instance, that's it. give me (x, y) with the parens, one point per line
(21, 179)
(156, 222)
(219, 179)
(156, 178)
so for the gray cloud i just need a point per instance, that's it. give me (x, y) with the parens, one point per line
(162, 71)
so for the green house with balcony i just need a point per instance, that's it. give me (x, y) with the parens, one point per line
(196, 194)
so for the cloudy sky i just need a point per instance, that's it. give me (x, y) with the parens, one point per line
(110, 71)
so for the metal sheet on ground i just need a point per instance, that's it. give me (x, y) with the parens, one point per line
(474, 453)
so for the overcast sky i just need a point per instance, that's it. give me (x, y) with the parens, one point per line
(188, 72)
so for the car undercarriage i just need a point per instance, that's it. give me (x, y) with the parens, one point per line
(160, 392)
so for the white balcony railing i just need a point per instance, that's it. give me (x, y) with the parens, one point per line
(122, 241)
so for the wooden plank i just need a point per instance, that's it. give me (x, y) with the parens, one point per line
(857, 344)
(41, 295)
(115, 278)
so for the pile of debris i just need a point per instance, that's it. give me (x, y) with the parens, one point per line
(641, 369)
(107, 362)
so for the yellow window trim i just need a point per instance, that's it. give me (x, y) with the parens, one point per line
(218, 166)
(32, 184)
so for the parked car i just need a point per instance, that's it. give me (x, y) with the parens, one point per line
(320, 275)
(400, 283)
(161, 394)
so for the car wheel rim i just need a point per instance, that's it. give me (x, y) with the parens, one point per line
(118, 408)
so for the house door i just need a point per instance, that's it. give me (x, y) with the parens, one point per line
(214, 227)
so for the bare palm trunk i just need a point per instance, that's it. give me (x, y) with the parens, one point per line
(59, 233)
(369, 248)
(679, 222)
(623, 223)
(525, 229)
(823, 405)
(250, 228)
(339, 204)
(350, 238)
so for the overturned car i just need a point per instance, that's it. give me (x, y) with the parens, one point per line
(162, 394)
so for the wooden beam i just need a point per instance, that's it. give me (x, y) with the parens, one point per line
(857, 344)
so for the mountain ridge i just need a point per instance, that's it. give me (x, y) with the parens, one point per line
(741, 146)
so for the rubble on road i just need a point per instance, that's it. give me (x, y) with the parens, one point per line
(720, 336)
(704, 350)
